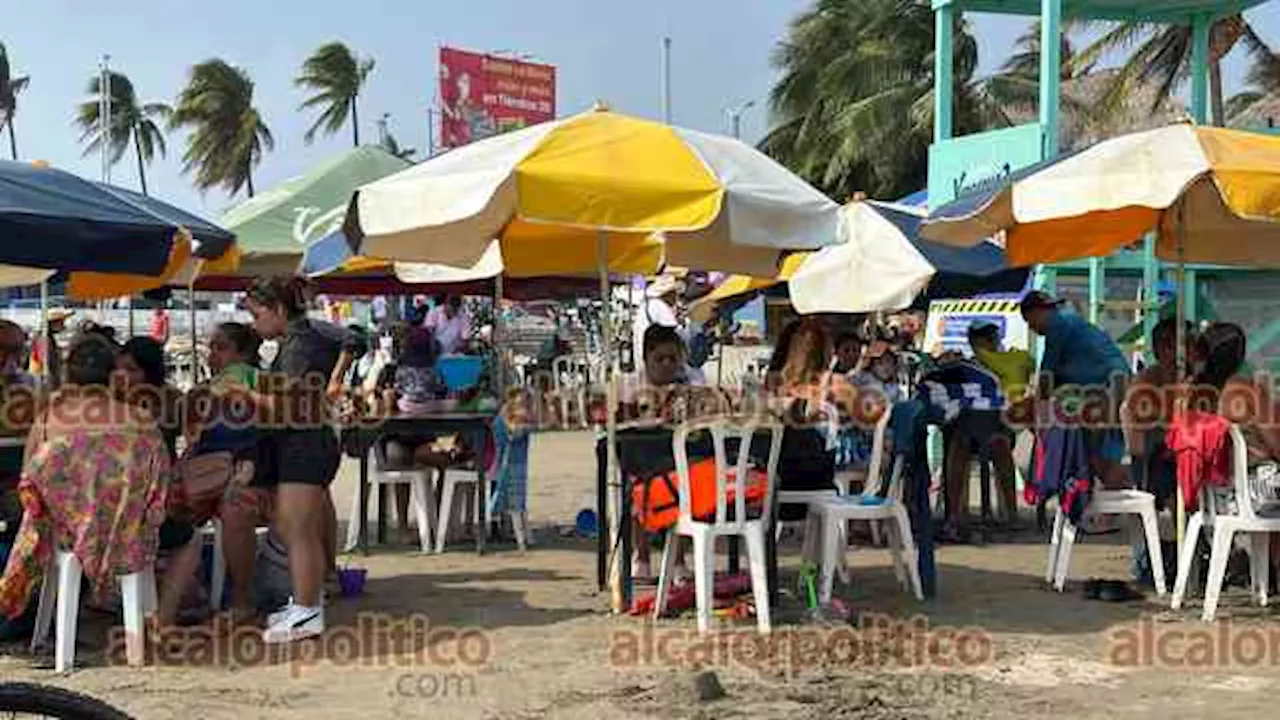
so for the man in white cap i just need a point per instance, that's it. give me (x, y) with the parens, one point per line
(658, 309)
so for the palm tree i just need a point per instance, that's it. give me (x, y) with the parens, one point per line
(853, 109)
(1018, 82)
(1163, 55)
(10, 86)
(336, 76)
(139, 125)
(227, 133)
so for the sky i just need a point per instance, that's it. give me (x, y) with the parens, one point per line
(603, 49)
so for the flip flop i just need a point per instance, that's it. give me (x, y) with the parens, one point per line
(1117, 592)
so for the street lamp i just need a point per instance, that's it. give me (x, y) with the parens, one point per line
(735, 117)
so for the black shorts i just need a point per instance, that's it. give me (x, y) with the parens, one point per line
(980, 427)
(305, 457)
(175, 533)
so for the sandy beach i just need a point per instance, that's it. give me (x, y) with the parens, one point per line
(512, 635)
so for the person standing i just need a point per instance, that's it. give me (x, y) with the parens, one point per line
(451, 324)
(312, 361)
(160, 325)
(1078, 353)
(46, 356)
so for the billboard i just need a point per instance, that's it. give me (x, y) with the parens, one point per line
(483, 95)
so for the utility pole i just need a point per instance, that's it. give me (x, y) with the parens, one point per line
(666, 80)
(735, 118)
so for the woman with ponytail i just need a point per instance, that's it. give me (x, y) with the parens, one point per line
(295, 398)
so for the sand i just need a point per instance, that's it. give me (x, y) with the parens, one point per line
(532, 639)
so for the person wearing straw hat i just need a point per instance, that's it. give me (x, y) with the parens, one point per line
(46, 356)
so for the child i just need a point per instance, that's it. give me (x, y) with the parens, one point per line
(511, 431)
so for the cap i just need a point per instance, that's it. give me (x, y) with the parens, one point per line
(1036, 300)
(982, 325)
(60, 315)
(661, 285)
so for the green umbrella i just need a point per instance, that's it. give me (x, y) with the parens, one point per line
(275, 227)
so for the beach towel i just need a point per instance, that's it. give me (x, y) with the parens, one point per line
(1202, 444)
(955, 387)
(1062, 470)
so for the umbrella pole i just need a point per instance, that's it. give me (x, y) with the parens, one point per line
(195, 336)
(616, 521)
(44, 332)
(1180, 338)
(499, 349)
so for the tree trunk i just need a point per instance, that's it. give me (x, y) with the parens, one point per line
(355, 123)
(13, 141)
(1217, 106)
(248, 181)
(142, 170)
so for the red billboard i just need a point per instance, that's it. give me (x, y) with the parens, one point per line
(483, 95)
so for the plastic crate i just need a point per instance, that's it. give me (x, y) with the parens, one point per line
(460, 372)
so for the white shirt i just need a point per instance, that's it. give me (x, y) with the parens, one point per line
(653, 311)
(451, 333)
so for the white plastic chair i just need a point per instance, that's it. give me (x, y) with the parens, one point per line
(61, 589)
(724, 523)
(422, 498)
(451, 479)
(828, 519)
(218, 573)
(1215, 513)
(570, 387)
(1106, 502)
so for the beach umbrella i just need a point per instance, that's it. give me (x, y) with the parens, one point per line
(559, 192)
(53, 220)
(274, 227)
(568, 192)
(882, 263)
(1211, 195)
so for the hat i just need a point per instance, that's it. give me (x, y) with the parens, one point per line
(59, 315)
(661, 286)
(1036, 300)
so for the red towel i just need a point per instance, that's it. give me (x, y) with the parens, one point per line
(1202, 444)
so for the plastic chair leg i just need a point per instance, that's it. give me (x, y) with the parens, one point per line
(831, 554)
(1055, 542)
(1260, 565)
(446, 512)
(759, 580)
(69, 575)
(48, 602)
(1222, 534)
(132, 592)
(665, 573)
(704, 579)
(1186, 559)
(1151, 525)
(909, 550)
(1063, 563)
(422, 501)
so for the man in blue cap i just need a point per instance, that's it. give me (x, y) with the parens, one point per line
(1078, 353)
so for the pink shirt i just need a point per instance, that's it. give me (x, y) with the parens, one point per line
(451, 333)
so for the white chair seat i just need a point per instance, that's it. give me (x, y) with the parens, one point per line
(1106, 502)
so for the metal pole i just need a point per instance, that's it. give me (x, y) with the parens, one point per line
(46, 382)
(616, 525)
(1151, 305)
(1050, 72)
(666, 80)
(943, 72)
(1097, 288)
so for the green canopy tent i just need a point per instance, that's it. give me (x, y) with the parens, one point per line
(275, 227)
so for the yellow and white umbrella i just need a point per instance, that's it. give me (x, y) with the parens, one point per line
(1212, 195)
(550, 192)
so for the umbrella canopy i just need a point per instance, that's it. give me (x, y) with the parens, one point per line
(53, 220)
(275, 226)
(1211, 194)
(882, 263)
(548, 192)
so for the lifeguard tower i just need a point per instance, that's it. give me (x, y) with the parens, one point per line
(959, 164)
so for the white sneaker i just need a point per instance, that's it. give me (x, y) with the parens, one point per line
(285, 609)
(294, 623)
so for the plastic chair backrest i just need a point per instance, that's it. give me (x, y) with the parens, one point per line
(1240, 474)
(722, 431)
(875, 466)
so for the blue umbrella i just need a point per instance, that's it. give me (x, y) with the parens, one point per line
(53, 219)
